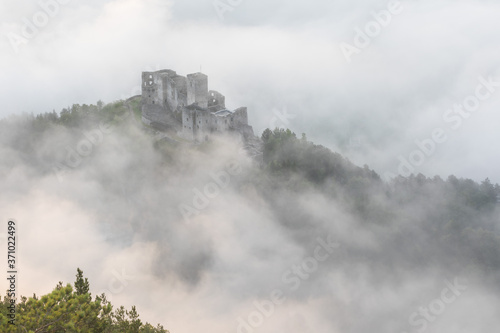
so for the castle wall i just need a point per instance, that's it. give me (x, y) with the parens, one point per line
(152, 93)
(216, 101)
(155, 115)
(188, 118)
(159, 98)
(167, 96)
(240, 122)
(204, 125)
(152, 88)
(240, 117)
(181, 84)
(197, 89)
(222, 123)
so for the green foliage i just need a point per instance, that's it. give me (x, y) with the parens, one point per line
(361, 190)
(81, 284)
(284, 153)
(135, 104)
(82, 116)
(72, 310)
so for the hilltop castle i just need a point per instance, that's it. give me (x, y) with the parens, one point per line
(185, 105)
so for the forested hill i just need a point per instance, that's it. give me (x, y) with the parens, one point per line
(137, 185)
(288, 162)
(459, 216)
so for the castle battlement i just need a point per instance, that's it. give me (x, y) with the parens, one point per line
(174, 102)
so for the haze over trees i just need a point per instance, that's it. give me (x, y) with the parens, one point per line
(132, 180)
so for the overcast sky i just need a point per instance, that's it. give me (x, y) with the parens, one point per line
(282, 59)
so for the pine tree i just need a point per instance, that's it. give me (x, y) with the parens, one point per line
(81, 284)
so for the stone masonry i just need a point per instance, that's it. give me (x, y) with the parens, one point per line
(185, 105)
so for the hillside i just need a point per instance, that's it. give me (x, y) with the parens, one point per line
(140, 185)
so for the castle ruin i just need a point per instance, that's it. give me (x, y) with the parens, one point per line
(172, 102)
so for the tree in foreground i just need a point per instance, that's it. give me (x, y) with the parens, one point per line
(68, 309)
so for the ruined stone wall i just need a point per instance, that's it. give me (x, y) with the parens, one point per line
(240, 123)
(240, 117)
(155, 115)
(181, 85)
(204, 125)
(169, 94)
(223, 123)
(159, 97)
(152, 88)
(152, 93)
(172, 101)
(197, 89)
(197, 124)
(216, 101)
(188, 119)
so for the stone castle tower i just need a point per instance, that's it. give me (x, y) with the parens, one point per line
(184, 104)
